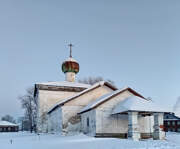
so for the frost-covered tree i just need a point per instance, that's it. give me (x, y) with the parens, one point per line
(29, 104)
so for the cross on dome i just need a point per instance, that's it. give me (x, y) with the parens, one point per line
(70, 46)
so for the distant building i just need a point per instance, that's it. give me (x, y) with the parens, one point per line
(171, 122)
(8, 127)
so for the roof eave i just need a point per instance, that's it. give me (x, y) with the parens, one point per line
(111, 86)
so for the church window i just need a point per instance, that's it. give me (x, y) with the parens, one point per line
(88, 121)
(178, 122)
(168, 123)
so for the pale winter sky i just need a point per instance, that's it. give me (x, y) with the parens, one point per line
(135, 43)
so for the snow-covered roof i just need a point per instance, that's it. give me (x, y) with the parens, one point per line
(66, 83)
(101, 83)
(6, 123)
(171, 119)
(177, 113)
(107, 97)
(135, 103)
(71, 59)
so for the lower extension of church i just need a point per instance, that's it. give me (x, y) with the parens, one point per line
(99, 110)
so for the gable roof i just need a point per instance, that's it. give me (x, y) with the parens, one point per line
(96, 85)
(135, 103)
(108, 96)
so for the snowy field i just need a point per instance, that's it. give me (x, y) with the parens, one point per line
(47, 141)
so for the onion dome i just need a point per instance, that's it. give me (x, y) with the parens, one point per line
(70, 65)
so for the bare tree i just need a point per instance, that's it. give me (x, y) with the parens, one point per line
(93, 80)
(8, 118)
(29, 104)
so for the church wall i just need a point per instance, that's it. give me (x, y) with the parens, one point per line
(71, 121)
(46, 99)
(88, 123)
(55, 121)
(106, 123)
(90, 96)
(111, 103)
(109, 124)
(146, 124)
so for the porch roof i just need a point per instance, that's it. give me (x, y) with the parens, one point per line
(135, 103)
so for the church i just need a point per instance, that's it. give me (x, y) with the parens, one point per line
(99, 110)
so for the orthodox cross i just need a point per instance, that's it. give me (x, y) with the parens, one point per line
(70, 46)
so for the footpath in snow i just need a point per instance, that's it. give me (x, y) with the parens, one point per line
(48, 141)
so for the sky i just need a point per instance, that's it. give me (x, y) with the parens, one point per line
(135, 43)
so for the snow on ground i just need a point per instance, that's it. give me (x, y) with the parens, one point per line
(48, 141)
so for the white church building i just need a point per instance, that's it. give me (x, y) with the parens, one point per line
(99, 110)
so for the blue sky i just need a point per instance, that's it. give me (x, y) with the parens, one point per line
(135, 43)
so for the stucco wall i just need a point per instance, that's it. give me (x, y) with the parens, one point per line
(91, 129)
(46, 99)
(55, 121)
(70, 119)
(106, 123)
(146, 124)
(111, 103)
(71, 108)
(90, 96)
